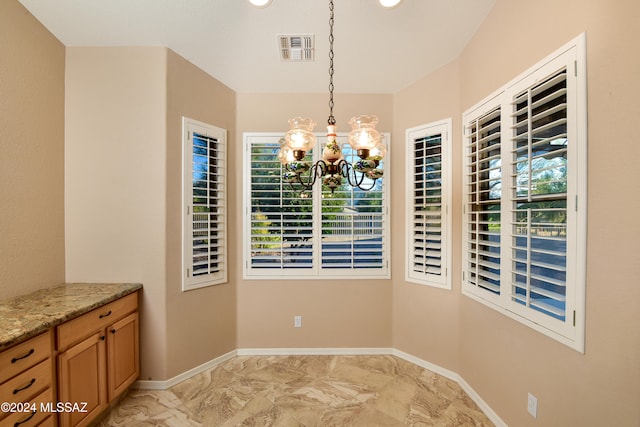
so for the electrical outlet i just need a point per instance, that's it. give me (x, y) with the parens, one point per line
(297, 321)
(532, 405)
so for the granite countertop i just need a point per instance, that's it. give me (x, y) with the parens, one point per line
(28, 315)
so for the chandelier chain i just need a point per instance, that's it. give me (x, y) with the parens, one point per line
(332, 120)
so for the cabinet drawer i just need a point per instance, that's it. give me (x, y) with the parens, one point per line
(29, 419)
(24, 386)
(79, 328)
(25, 355)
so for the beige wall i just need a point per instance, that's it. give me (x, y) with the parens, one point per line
(115, 180)
(201, 324)
(122, 208)
(31, 153)
(425, 319)
(124, 109)
(500, 358)
(335, 313)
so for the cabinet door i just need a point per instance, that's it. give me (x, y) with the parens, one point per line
(123, 358)
(82, 379)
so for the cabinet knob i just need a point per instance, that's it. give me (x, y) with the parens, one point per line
(113, 331)
(102, 337)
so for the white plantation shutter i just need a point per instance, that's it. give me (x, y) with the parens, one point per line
(314, 234)
(204, 211)
(483, 177)
(281, 223)
(539, 205)
(353, 225)
(428, 225)
(525, 198)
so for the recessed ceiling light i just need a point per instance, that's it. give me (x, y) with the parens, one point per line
(260, 3)
(389, 4)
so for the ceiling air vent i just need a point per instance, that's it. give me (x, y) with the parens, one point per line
(296, 47)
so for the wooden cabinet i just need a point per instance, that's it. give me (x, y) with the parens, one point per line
(98, 358)
(26, 375)
(123, 358)
(62, 368)
(82, 378)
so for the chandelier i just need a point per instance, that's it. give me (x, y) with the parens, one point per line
(333, 169)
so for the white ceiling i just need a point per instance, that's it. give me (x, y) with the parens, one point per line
(376, 50)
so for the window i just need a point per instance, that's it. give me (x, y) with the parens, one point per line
(313, 234)
(524, 201)
(429, 223)
(204, 216)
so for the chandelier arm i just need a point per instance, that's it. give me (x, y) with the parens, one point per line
(306, 184)
(343, 169)
(352, 176)
(355, 179)
(317, 170)
(373, 184)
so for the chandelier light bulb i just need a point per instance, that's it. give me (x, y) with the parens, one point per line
(285, 156)
(300, 137)
(364, 141)
(297, 139)
(378, 152)
(363, 135)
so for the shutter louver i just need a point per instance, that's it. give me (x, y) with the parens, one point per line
(482, 208)
(539, 207)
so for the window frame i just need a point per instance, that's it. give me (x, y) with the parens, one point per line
(443, 128)
(571, 330)
(190, 127)
(317, 272)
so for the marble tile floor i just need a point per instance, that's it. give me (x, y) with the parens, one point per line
(303, 391)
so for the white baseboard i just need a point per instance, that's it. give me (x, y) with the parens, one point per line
(454, 376)
(163, 385)
(312, 351)
(490, 413)
(427, 365)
